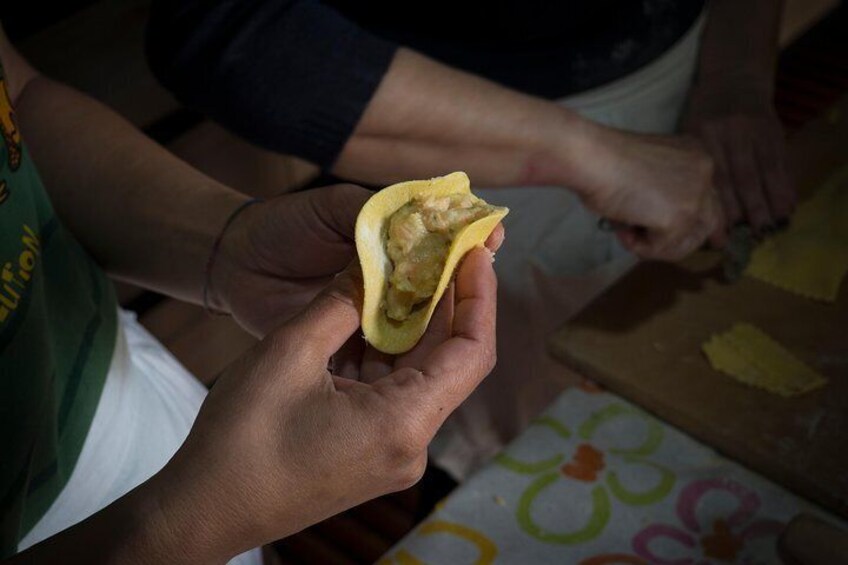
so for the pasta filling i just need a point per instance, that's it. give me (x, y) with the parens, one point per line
(418, 240)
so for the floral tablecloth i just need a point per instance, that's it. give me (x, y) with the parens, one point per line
(595, 480)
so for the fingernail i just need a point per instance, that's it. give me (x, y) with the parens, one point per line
(782, 224)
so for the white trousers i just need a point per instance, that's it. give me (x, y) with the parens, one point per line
(146, 410)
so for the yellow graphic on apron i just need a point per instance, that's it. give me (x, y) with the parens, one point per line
(9, 126)
(16, 273)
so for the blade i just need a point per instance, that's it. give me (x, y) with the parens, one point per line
(737, 252)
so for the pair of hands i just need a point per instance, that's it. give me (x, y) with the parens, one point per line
(679, 191)
(281, 442)
(298, 437)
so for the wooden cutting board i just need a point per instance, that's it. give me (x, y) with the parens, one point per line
(642, 340)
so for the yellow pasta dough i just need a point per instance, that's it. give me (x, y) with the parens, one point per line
(811, 257)
(752, 357)
(383, 332)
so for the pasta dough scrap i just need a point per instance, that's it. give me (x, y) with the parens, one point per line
(752, 357)
(811, 257)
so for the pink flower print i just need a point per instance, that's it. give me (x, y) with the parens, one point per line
(723, 539)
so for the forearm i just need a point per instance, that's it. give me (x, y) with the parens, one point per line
(144, 215)
(295, 76)
(740, 43)
(427, 119)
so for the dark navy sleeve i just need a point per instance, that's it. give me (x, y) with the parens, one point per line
(292, 76)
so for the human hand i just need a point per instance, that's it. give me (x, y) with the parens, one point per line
(660, 185)
(277, 255)
(281, 443)
(740, 129)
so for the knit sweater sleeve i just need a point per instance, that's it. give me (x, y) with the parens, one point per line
(292, 76)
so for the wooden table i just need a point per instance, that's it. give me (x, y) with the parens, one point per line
(642, 340)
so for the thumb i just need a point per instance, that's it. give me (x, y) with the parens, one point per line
(338, 207)
(454, 368)
(332, 317)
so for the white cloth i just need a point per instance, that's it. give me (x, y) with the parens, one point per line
(646, 493)
(148, 405)
(553, 262)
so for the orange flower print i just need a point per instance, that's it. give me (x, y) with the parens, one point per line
(585, 465)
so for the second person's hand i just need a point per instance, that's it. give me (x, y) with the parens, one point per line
(740, 128)
(662, 186)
